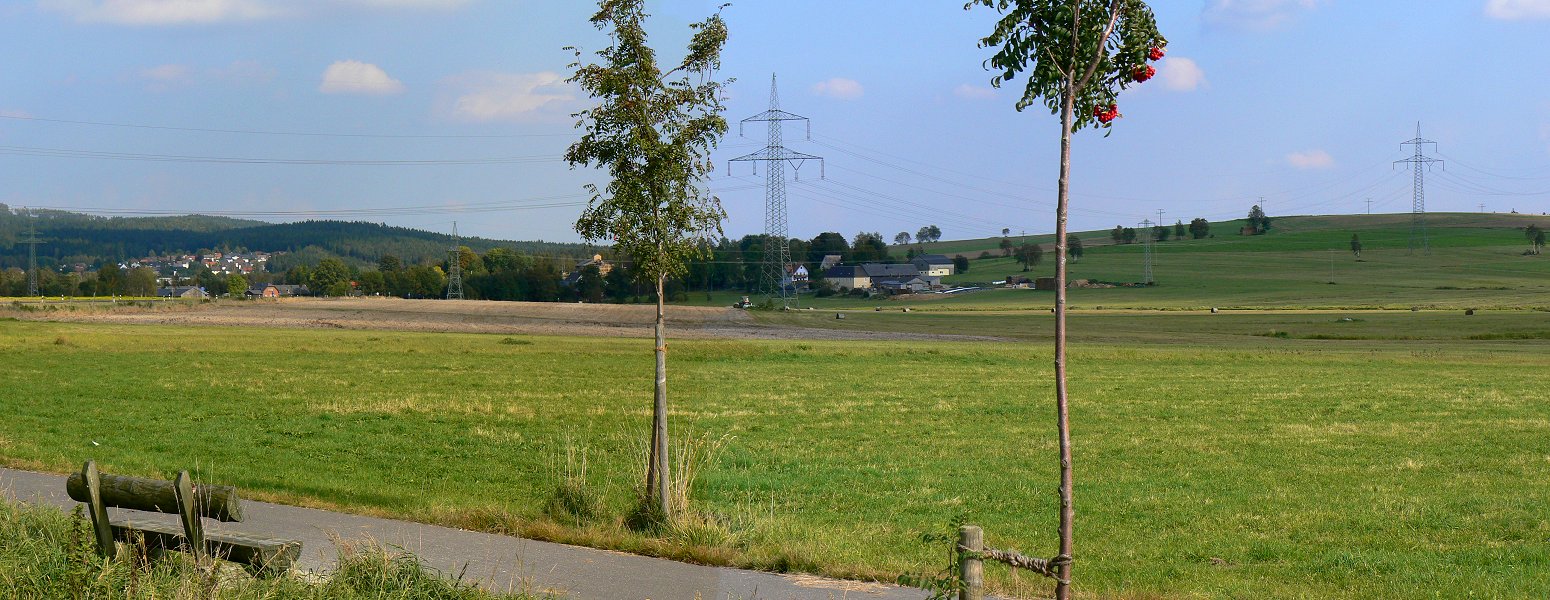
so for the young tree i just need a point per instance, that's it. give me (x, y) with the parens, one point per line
(1006, 246)
(1074, 247)
(960, 264)
(1006, 231)
(1160, 232)
(1535, 238)
(1179, 230)
(653, 132)
(1128, 236)
(1539, 242)
(236, 286)
(1078, 55)
(902, 238)
(1199, 228)
(1356, 245)
(1029, 255)
(1117, 234)
(1258, 220)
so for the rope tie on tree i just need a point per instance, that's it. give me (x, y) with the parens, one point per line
(662, 348)
(1042, 566)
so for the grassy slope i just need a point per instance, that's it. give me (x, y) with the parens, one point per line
(1217, 464)
(1477, 261)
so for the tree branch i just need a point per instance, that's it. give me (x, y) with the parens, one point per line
(1102, 40)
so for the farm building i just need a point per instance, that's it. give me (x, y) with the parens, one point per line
(569, 279)
(274, 290)
(935, 265)
(847, 276)
(181, 292)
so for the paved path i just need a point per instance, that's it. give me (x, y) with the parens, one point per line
(506, 563)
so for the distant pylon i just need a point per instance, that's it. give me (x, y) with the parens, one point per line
(1146, 243)
(778, 270)
(1418, 163)
(455, 267)
(32, 242)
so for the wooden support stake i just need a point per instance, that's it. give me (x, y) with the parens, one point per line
(99, 512)
(188, 512)
(971, 571)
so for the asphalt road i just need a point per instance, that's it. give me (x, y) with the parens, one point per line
(502, 562)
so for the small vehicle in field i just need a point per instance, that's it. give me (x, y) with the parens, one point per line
(744, 303)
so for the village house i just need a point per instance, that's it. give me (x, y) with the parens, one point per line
(850, 277)
(181, 292)
(569, 279)
(894, 278)
(273, 290)
(934, 265)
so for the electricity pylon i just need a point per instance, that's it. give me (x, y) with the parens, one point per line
(1418, 163)
(1146, 247)
(455, 267)
(777, 268)
(32, 242)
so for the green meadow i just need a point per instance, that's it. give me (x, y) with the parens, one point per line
(1263, 454)
(1475, 261)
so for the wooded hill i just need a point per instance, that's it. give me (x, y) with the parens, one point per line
(94, 240)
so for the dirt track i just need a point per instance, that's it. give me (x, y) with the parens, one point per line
(465, 316)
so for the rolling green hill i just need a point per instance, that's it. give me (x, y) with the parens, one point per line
(78, 238)
(1475, 260)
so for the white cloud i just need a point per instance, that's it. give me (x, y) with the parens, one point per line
(1312, 159)
(164, 12)
(356, 77)
(1256, 14)
(492, 96)
(166, 73)
(1513, 10)
(839, 87)
(200, 12)
(1180, 74)
(165, 77)
(973, 92)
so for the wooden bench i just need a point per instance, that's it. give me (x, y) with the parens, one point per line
(192, 503)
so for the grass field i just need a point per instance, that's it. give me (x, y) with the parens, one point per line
(1260, 454)
(1475, 261)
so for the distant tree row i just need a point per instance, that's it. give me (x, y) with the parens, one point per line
(1198, 228)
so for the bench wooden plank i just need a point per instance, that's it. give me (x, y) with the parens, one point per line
(264, 555)
(217, 502)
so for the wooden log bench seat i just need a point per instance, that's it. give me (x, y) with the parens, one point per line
(192, 503)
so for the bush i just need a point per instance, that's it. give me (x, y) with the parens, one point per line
(986, 254)
(824, 292)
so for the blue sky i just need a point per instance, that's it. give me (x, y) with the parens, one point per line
(1304, 102)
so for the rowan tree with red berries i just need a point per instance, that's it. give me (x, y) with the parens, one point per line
(1077, 55)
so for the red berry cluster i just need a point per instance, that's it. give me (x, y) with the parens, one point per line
(1106, 114)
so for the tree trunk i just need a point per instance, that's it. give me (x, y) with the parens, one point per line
(1062, 416)
(659, 410)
